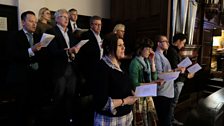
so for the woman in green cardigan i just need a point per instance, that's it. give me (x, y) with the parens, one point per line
(142, 70)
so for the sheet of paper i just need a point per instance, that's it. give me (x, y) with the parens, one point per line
(46, 39)
(185, 63)
(82, 42)
(146, 90)
(168, 76)
(194, 68)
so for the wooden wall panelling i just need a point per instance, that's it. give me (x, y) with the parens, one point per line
(206, 48)
(142, 18)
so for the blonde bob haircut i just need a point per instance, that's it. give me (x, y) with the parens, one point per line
(41, 12)
(118, 27)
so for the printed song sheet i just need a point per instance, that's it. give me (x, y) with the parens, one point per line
(185, 63)
(146, 90)
(82, 42)
(168, 76)
(194, 68)
(46, 39)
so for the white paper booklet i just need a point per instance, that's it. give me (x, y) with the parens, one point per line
(146, 90)
(46, 39)
(194, 68)
(168, 76)
(82, 42)
(185, 63)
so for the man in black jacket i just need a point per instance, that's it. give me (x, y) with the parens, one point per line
(173, 55)
(62, 51)
(24, 55)
(88, 56)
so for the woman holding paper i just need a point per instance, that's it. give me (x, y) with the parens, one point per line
(142, 70)
(113, 91)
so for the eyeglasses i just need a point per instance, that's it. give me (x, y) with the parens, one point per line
(65, 17)
(166, 41)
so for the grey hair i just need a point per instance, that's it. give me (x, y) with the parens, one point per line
(59, 12)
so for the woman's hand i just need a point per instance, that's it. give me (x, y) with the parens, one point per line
(130, 100)
(151, 55)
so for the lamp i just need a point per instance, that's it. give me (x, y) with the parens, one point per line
(216, 41)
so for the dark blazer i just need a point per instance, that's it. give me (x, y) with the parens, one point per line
(87, 57)
(69, 26)
(19, 60)
(57, 55)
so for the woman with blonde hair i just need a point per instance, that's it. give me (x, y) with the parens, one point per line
(119, 30)
(44, 19)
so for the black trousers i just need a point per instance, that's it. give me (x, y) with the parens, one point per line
(64, 93)
(163, 109)
(26, 98)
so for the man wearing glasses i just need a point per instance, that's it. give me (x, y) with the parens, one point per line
(165, 92)
(62, 51)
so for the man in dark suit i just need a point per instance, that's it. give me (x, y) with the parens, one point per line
(62, 51)
(24, 53)
(73, 16)
(73, 24)
(87, 58)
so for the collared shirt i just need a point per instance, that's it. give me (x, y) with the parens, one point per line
(100, 42)
(108, 61)
(72, 25)
(163, 65)
(31, 53)
(65, 35)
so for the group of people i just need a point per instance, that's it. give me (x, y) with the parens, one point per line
(86, 85)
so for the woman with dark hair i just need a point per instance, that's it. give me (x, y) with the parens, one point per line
(113, 91)
(142, 71)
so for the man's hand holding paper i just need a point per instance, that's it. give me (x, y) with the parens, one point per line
(81, 43)
(168, 76)
(46, 39)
